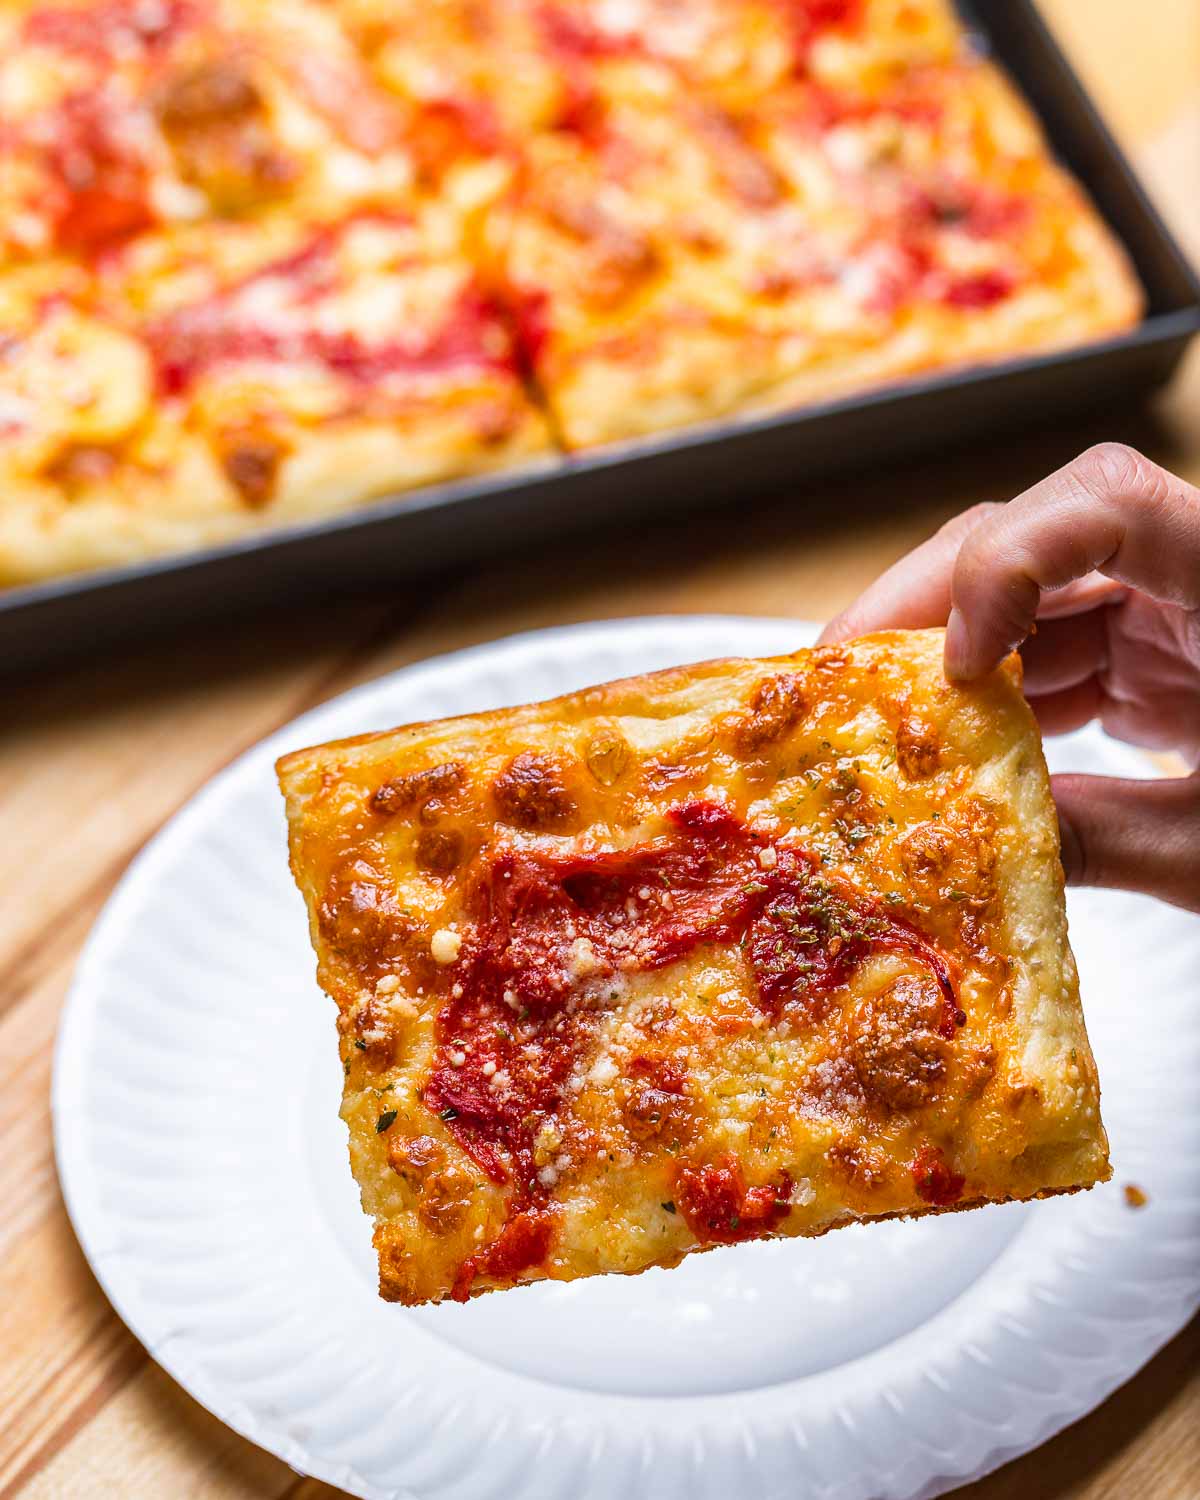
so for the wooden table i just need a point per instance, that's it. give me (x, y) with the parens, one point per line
(92, 762)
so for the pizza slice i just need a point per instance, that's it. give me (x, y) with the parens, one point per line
(745, 949)
(945, 232)
(670, 260)
(208, 381)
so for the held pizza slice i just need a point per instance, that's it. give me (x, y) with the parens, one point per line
(745, 949)
(208, 381)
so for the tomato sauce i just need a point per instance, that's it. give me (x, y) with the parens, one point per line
(936, 1184)
(219, 330)
(721, 1210)
(508, 1036)
(101, 183)
(809, 18)
(113, 30)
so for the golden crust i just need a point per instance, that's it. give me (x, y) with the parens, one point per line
(601, 1103)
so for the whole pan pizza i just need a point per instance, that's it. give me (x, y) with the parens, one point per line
(264, 260)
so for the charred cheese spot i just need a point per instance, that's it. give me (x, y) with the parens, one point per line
(215, 119)
(79, 466)
(952, 862)
(898, 1053)
(415, 1153)
(926, 852)
(399, 1279)
(777, 705)
(918, 750)
(1022, 1096)
(859, 1167)
(418, 787)
(439, 851)
(532, 792)
(221, 89)
(444, 1199)
(361, 917)
(978, 1070)
(251, 465)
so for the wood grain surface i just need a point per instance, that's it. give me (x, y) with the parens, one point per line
(94, 759)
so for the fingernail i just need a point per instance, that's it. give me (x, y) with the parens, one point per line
(958, 647)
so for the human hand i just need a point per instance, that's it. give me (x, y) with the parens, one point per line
(1105, 556)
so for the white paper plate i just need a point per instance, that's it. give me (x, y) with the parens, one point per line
(204, 1166)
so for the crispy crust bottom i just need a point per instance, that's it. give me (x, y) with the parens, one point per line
(388, 1294)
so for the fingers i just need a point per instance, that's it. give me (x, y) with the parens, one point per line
(1068, 710)
(913, 592)
(1110, 510)
(1132, 835)
(1083, 594)
(1065, 652)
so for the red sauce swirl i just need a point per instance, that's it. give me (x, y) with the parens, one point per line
(222, 330)
(508, 1036)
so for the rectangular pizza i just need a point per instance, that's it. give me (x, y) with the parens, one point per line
(223, 308)
(731, 951)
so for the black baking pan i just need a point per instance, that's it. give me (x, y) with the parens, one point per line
(437, 527)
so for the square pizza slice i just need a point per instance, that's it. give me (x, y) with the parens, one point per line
(201, 383)
(670, 260)
(745, 949)
(944, 232)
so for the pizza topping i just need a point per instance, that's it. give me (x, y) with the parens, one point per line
(221, 89)
(414, 1153)
(747, 174)
(981, 289)
(439, 851)
(918, 751)
(607, 755)
(445, 130)
(776, 706)
(80, 465)
(523, 1242)
(251, 465)
(515, 1025)
(655, 1103)
(419, 787)
(112, 30)
(810, 18)
(361, 917)
(287, 314)
(97, 157)
(897, 1043)
(720, 1209)
(935, 1183)
(532, 792)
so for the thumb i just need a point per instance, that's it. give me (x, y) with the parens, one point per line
(1132, 835)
